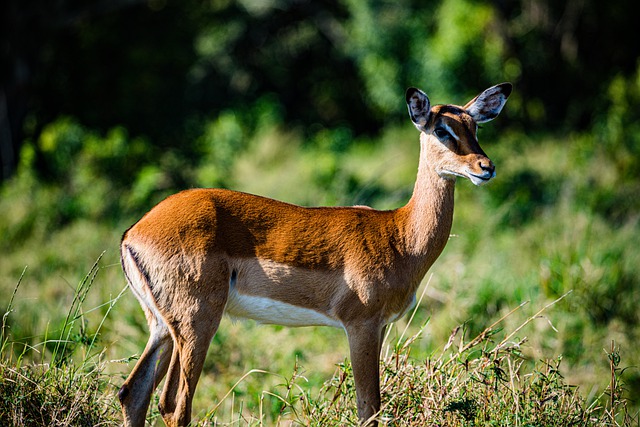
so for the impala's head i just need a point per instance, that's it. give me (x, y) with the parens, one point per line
(451, 131)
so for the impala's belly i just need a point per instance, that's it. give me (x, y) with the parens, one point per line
(266, 310)
(258, 290)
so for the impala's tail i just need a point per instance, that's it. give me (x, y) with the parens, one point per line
(136, 275)
(139, 280)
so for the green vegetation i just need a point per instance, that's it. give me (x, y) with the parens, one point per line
(303, 101)
(481, 381)
(52, 389)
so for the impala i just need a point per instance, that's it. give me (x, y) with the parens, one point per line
(203, 252)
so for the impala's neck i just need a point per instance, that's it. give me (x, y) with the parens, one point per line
(429, 214)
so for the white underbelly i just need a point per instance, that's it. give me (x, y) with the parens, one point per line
(267, 310)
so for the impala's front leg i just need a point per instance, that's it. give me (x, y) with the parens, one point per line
(364, 346)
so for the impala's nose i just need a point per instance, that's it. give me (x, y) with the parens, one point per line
(487, 166)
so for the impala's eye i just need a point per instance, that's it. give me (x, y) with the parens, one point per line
(442, 134)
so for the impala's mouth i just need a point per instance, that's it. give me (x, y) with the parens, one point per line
(481, 179)
(474, 178)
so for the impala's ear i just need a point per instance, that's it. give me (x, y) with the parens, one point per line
(419, 107)
(489, 103)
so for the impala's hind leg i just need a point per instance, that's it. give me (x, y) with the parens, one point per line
(187, 360)
(136, 391)
(192, 331)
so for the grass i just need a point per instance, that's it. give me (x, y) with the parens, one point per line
(485, 381)
(43, 395)
(56, 391)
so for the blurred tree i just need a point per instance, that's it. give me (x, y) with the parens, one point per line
(32, 36)
(164, 69)
(289, 49)
(567, 52)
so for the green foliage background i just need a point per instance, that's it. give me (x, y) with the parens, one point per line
(110, 108)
